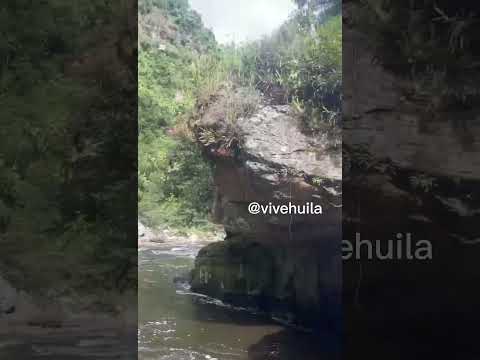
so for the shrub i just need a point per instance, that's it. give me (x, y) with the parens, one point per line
(175, 182)
(302, 64)
(431, 42)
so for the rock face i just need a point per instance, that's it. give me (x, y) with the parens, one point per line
(282, 263)
(408, 171)
(420, 166)
(379, 116)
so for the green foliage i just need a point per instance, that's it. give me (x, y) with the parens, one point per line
(66, 152)
(315, 74)
(209, 73)
(191, 32)
(302, 64)
(432, 42)
(175, 182)
(160, 84)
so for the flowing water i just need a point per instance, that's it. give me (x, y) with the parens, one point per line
(175, 324)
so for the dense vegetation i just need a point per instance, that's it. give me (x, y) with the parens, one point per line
(303, 59)
(174, 181)
(434, 42)
(181, 68)
(67, 153)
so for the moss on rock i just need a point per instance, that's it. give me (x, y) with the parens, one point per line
(234, 270)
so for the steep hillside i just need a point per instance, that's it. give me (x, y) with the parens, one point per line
(174, 51)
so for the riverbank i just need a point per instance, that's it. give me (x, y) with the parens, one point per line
(161, 237)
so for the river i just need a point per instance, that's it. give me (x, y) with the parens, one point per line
(175, 324)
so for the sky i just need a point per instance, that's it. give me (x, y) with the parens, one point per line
(242, 20)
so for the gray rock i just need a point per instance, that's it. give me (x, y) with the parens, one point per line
(146, 234)
(8, 297)
(273, 137)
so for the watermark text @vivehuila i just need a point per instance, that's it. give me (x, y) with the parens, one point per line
(310, 208)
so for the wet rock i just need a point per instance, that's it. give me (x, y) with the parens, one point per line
(234, 269)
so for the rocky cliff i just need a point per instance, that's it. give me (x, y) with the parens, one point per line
(408, 170)
(286, 264)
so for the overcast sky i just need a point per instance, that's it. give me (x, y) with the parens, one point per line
(241, 20)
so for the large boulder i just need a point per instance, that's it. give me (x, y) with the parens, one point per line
(288, 263)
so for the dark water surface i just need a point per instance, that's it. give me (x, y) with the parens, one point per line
(78, 339)
(175, 324)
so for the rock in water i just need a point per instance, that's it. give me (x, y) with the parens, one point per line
(148, 235)
(286, 263)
